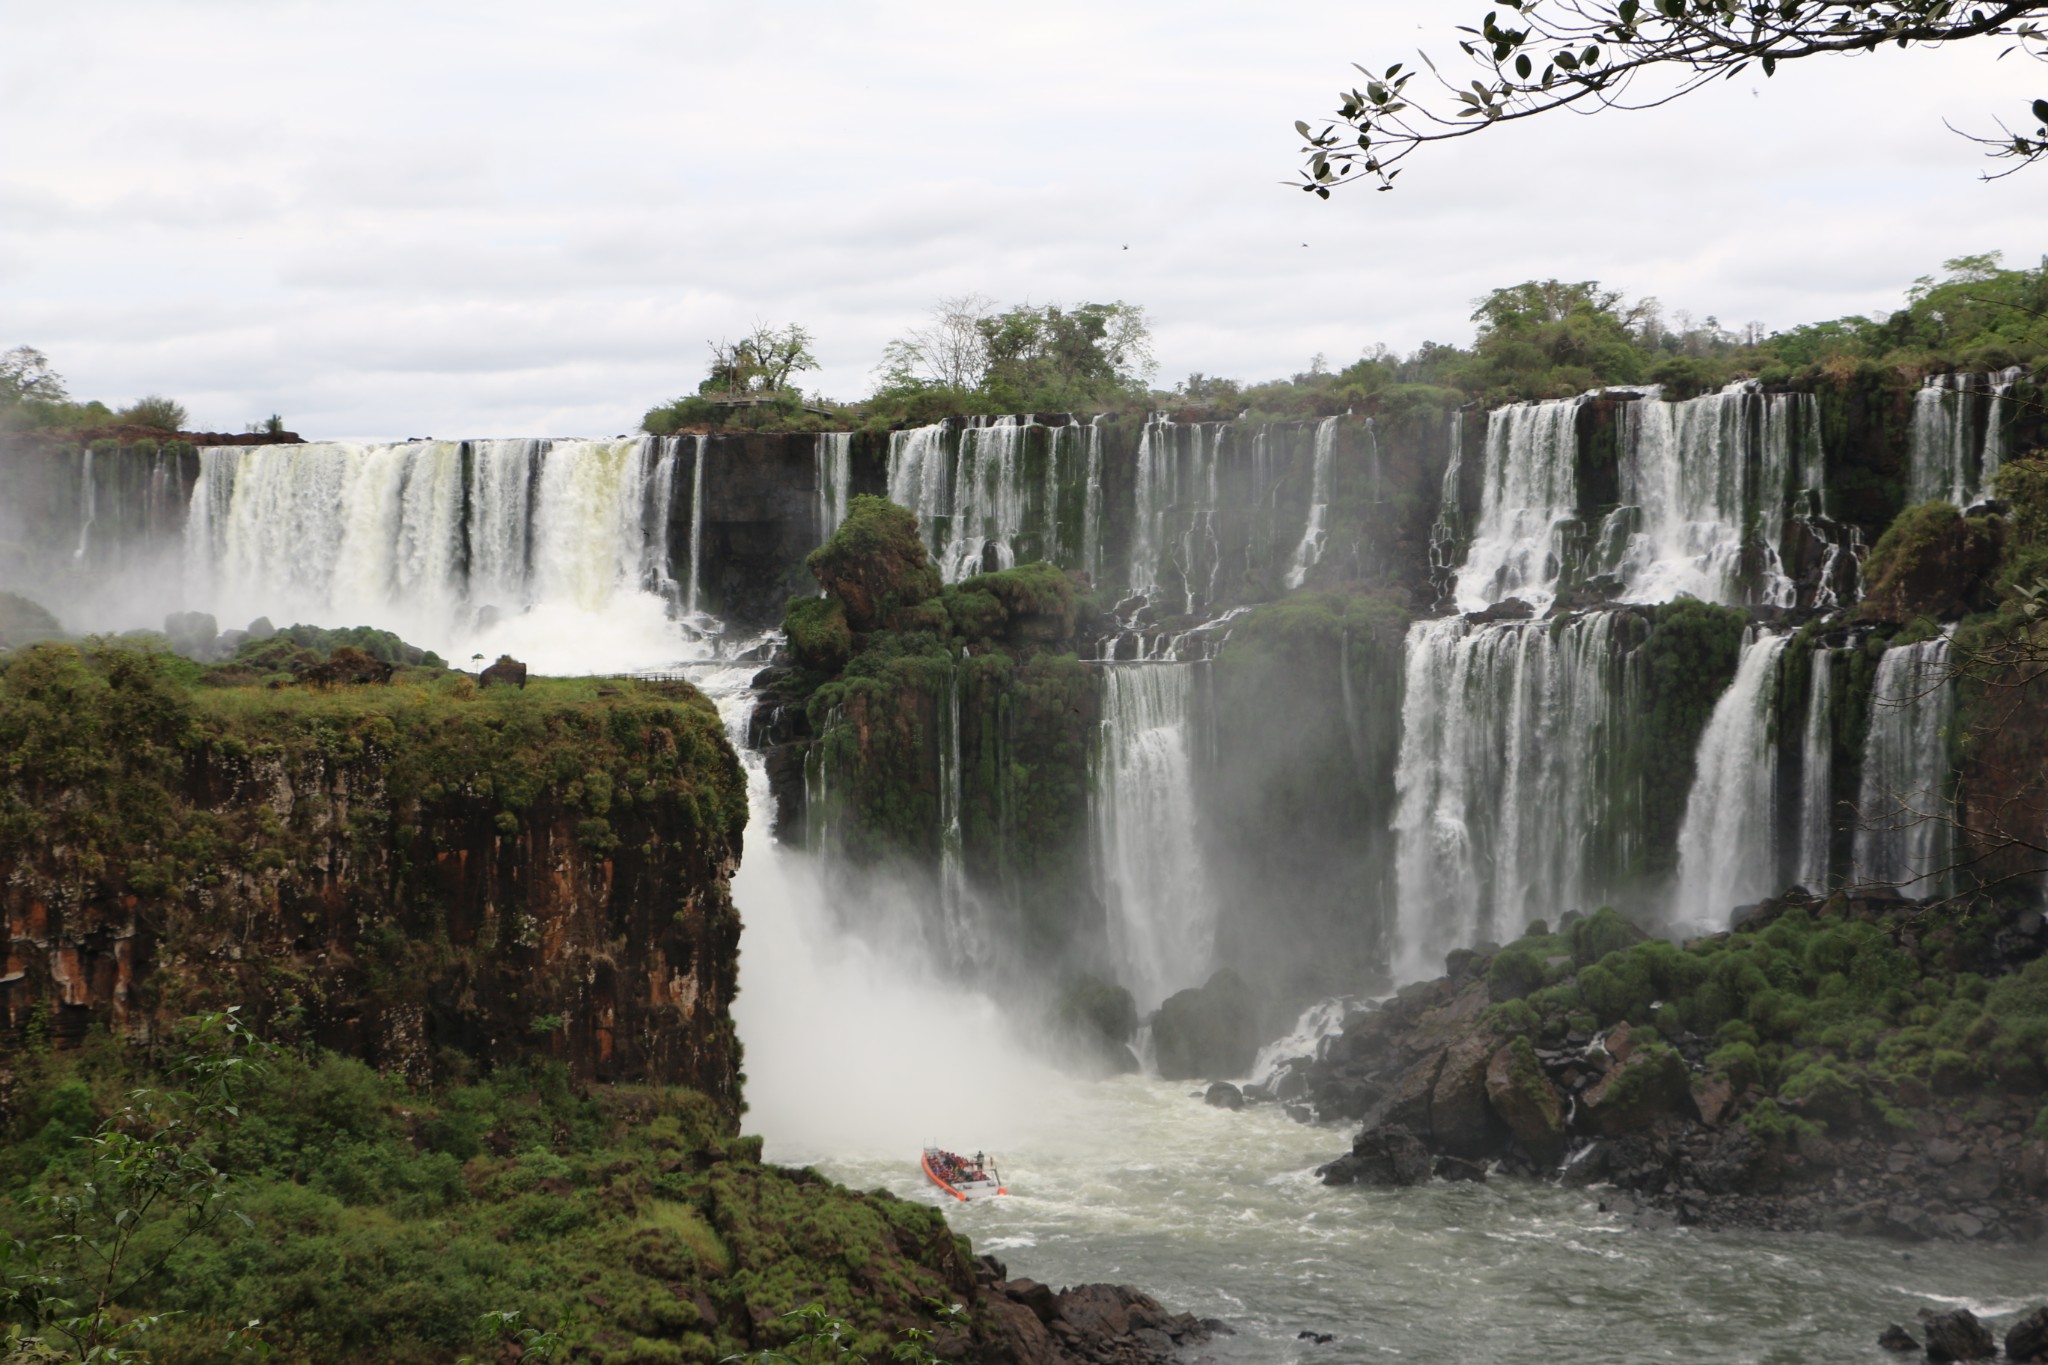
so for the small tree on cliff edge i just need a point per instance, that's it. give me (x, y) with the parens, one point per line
(1540, 56)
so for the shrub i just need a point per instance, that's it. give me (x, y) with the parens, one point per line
(154, 411)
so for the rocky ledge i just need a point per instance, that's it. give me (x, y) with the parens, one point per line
(1866, 1065)
(1028, 1323)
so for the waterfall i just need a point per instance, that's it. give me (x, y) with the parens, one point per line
(1703, 480)
(448, 542)
(1816, 764)
(1505, 731)
(960, 917)
(1938, 447)
(975, 493)
(1174, 542)
(1902, 836)
(690, 605)
(1091, 507)
(1445, 531)
(88, 506)
(1997, 439)
(1310, 551)
(835, 480)
(1529, 490)
(1162, 923)
(1727, 854)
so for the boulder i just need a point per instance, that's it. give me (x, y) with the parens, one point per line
(192, 634)
(1095, 1021)
(2027, 1339)
(1380, 1156)
(1897, 1338)
(1461, 1122)
(1207, 1031)
(1526, 1101)
(507, 670)
(1712, 1096)
(1957, 1335)
(1457, 1168)
(1224, 1095)
(1651, 1086)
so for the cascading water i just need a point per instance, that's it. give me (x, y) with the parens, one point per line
(979, 492)
(1944, 457)
(1902, 836)
(521, 545)
(1505, 733)
(1816, 777)
(1705, 479)
(1091, 507)
(1173, 541)
(835, 480)
(1727, 851)
(960, 920)
(1529, 490)
(1310, 551)
(1162, 922)
(1447, 529)
(1997, 434)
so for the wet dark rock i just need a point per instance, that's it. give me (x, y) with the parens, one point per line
(1223, 1095)
(1507, 609)
(1957, 1335)
(1897, 1338)
(1390, 1156)
(2027, 1339)
(1210, 1030)
(1319, 1338)
(1457, 1168)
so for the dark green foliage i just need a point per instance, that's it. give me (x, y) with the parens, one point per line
(1839, 1016)
(818, 633)
(1594, 936)
(1931, 562)
(875, 564)
(382, 645)
(1676, 677)
(385, 1221)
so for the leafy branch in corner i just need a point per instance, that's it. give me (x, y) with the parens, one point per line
(69, 1289)
(1541, 56)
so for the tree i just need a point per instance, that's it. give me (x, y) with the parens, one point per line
(26, 377)
(761, 362)
(1583, 55)
(951, 353)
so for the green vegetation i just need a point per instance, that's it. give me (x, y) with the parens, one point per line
(385, 1220)
(899, 674)
(1820, 1014)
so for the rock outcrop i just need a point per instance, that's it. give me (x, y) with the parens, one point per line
(412, 874)
(1028, 1323)
(1611, 1084)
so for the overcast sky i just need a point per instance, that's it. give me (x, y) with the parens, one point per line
(418, 217)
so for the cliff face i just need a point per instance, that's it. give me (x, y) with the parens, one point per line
(419, 875)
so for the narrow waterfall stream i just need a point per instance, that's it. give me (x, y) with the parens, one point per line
(1727, 850)
(1162, 922)
(1903, 839)
(1530, 490)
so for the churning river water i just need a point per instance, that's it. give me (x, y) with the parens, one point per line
(857, 1056)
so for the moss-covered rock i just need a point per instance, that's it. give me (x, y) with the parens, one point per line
(421, 874)
(1933, 562)
(1526, 1101)
(875, 564)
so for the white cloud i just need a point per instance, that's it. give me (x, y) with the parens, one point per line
(397, 218)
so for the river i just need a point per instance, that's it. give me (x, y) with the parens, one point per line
(856, 1058)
